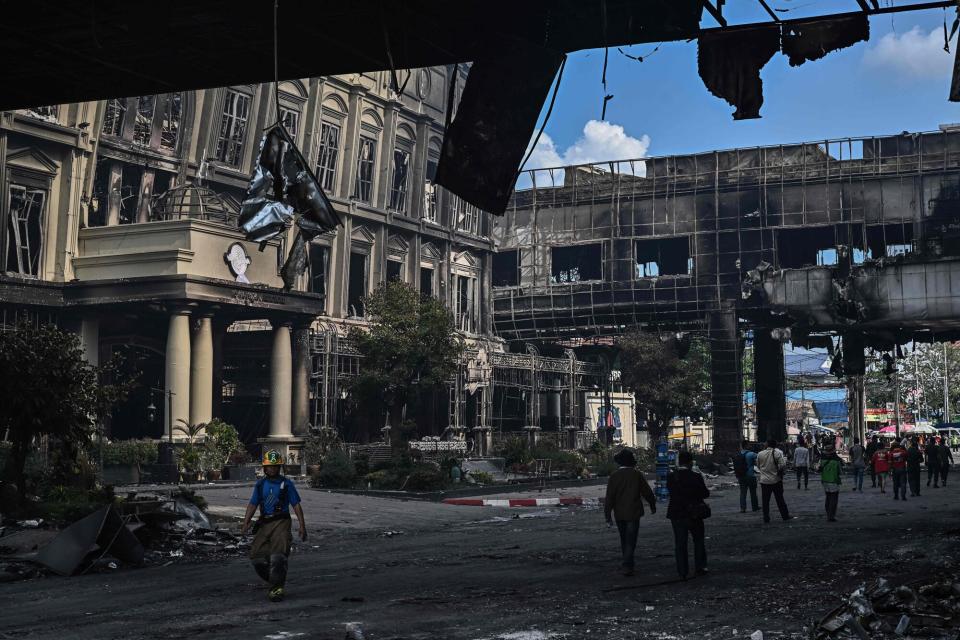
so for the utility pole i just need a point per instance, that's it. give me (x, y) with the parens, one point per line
(946, 385)
(896, 391)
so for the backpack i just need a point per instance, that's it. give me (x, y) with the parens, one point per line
(740, 464)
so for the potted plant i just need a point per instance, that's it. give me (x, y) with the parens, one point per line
(221, 442)
(190, 463)
(317, 446)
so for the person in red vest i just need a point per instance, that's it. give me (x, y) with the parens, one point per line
(898, 462)
(881, 464)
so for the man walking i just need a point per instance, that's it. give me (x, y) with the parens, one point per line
(801, 462)
(945, 458)
(858, 461)
(830, 479)
(914, 460)
(745, 469)
(772, 465)
(898, 465)
(275, 495)
(932, 458)
(881, 465)
(872, 449)
(626, 491)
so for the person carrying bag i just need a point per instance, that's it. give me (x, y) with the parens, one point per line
(687, 512)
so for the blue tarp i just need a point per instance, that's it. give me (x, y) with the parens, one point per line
(831, 412)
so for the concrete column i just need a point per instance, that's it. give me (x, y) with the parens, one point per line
(201, 372)
(770, 386)
(280, 381)
(146, 192)
(177, 375)
(90, 339)
(351, 139)
(725, 353)
(301, 380)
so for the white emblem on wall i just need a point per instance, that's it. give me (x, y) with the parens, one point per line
(238, 260)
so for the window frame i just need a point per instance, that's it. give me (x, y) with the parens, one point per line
(400, 194)
(366, 141)
(324, 153)
(27, 185)
(238, 143)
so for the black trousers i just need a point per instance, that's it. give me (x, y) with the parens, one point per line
(913, 477)
(805, 472)
(775, 490)
(832, 500)
(900, 483)
(629, 530)
(681, 530)
(944, 470)
(873, 475)
(933, 473)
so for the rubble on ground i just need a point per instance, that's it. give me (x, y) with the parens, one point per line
(921, 609)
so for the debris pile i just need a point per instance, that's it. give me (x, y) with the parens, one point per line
(922, 609)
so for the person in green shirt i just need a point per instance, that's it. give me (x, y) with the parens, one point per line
(830, 479)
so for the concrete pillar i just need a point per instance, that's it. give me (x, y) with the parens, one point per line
(90, 339)
(300, 413)
(553, 409)
(146, 194)
(770, 386)
(726, 381)
(177, 375)
(281, 369)
(201, 371)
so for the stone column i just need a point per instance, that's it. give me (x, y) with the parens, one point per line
(90, 338)
(727, 383)
(300, 414)
(770, 386)
(280, 381)
(177, 378)
(201, 371)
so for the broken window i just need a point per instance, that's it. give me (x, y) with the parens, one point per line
(357, 288)
(464, 296)
(887, 240)
(426, 281)
(113, 118)
(664, 257)
(576, 263)
(25, 231)
(233, 128)
(506, 268)
(48, 113)
(291, 121)
(398, 188)
(806, 247)
(130, 181)
(366, 157)
(430, 191)
(327, 155)
(319, 263)
(466, 215)
(394, 271)
(170, 125)
(143, 125)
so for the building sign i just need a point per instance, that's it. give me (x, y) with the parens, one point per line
(237, 259)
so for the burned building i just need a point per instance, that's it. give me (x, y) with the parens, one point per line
(852, 237)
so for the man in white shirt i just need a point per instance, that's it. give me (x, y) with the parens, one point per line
(772, 464)
(801, 462)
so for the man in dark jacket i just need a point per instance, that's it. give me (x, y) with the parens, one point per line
(914, 460)
(872, 449)
(945, 458)
(687, 493)
(626, 491)
(932, 458)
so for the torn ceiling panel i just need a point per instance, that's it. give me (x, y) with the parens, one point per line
(485, 143)
(730, 61)
(814, 39)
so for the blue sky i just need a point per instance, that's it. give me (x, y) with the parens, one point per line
(898, 80)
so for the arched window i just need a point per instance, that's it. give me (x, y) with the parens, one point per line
(370, 126)
(402, 164)
(328, 149)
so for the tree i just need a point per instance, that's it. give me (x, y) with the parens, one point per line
(662, 382)
(411, 346)
(921, 381)
(51, 390)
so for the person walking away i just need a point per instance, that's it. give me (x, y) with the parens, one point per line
(914, 460)
(801, 462)
(859, 463)
(745, 469)
(275, 495)
(772, 465)
(945, 458)
(881, 465)
(830, 468)
(955, 442)
(872, 449)
(898, 467)
(932, 458)
(687, 511)
(626, 491)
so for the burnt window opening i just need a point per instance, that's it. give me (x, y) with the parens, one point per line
(426, 282)
(466, 215)
(398, 187)
(888, 240)
(170, 124)
(430, 191)
(328, 154)
(233, 128)
(113, 118)
(100, 202)
(576, 263)
(506, 269)
(131, 178)
(48, 113)
(25, 229)
(357, 287)
(291, 121)
(664, 257)
(394, 271)
(366, 158)
(464, 297)
(319, 265)
(143, 124)
(811, 246)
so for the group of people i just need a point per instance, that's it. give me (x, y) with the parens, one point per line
(903, 460)
(768, 469)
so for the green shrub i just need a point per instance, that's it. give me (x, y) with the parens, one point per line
(482, 477)
(221, 441)
(66, 505)
(514, 451)
(383, 479)
(337, 471)
(567, 462)
(133, 452)
(425, 478)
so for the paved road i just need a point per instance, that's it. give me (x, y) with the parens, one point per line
(478, 573)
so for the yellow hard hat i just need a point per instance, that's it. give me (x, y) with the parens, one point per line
(272, 458)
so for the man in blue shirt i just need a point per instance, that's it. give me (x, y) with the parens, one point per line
(274, 495)
(744, 466)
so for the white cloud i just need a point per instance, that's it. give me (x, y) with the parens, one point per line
(913, 53)
(599, 142)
